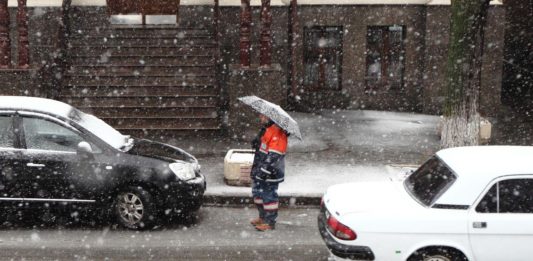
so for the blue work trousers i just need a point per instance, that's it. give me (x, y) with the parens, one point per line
(266, 199)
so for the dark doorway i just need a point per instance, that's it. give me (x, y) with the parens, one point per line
(143, 7)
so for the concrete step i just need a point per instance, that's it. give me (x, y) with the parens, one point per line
(155, 60)
(151, 43)
(142, 70)
(176, 123)
(145, 91)
(139, 30)
(147, 112)
(98, 50)
(161, 80)
(206, 132)
(134, 95)
(141, 41)
(140, 102)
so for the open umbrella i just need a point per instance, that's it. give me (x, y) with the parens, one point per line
(275, 113)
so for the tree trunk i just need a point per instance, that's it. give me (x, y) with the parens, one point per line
(465, 53)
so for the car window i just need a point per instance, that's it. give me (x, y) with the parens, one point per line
(101, 129)
(516, 196)
(489, 203)
(429, 181)
(46, 135)
(508, 196)
(7, 135)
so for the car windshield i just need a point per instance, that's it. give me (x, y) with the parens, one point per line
(429, 181)
(101, 129)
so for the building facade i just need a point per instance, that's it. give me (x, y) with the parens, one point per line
(173, 66)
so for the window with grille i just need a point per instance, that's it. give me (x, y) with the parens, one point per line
(323, 57)
(385, 61)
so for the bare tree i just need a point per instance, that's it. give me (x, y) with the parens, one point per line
(465, 53)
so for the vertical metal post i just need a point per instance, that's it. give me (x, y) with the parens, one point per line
(223, 99)
(293, 27)
(245, 31)
(5, 43)
(216, 20)
(216, 36)
(266, 32)
(23, 42)
(178, 13)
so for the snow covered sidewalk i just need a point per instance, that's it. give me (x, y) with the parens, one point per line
(339, 146)
(308, 181)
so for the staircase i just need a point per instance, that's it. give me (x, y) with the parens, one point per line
(145, 80)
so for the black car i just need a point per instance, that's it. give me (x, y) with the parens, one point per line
(54, 155)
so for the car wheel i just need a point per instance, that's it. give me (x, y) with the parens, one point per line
(134, 208)
(438, 254)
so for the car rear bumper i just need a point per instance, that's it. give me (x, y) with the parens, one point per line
(339, 249)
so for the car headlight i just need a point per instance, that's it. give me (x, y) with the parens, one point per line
(183, 171)
(196, 167)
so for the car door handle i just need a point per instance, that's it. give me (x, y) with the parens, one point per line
(479, 224)
(35, 165)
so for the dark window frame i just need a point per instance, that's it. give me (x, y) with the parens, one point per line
(11, 131)
(482, 206)
(310, 53)
(381, 54)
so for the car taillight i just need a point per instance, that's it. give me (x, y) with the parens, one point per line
(339, 230)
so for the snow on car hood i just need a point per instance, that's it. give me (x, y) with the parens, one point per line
(160, 151)
(361, 197)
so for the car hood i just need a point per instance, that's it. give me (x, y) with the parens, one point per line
(363, 197)
(161, 151)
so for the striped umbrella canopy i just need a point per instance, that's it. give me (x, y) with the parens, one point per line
(275, 113)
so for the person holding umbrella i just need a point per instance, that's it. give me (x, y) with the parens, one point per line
(268, 169)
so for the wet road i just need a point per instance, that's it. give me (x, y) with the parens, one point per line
(214, 234)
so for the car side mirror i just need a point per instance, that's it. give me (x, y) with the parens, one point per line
(84, 149)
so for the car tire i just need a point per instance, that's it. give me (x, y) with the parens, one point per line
(3, 217)
(438, 254)
(134, 208)
(195, 205)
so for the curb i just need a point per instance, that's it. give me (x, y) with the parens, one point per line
(240, 201)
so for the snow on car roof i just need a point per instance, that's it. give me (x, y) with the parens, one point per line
(36, 104)
(489, 160)
(59, 109)
(477, 166)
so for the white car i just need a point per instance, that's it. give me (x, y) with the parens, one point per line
(468, 203)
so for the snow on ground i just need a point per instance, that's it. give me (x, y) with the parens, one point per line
(311, 180)
(342, 146)
(373, 130)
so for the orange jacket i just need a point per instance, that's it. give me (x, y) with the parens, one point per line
(274, 140)
(269, 160)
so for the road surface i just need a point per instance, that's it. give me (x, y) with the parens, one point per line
(214, 234)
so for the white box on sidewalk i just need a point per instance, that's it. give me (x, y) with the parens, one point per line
(485, 130)
(237, 167)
